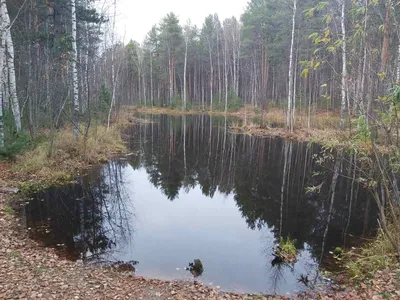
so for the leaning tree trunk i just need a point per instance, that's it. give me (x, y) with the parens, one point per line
(10, 65)
(289, 116)
(75, 70)
(344, 65)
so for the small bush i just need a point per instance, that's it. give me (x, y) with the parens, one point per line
(287, 246)
(176, 101)
(15, 145)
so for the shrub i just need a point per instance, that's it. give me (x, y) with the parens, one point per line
(15, 145)
(287, 246)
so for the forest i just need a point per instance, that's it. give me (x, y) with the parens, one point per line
(63, 62)
(74, 93)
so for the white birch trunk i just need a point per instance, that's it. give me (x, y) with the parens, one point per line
(10, 65)
(219, 69)
(75, 70)
(344, 65)
(364, 68)
(85, 79)
(289, 115)
(238, 61)
(151, 79)
(2, 54)
(113, 69)
(398, 64)
(294, 88)
(211, 75)
(184, 69)
(226, 72)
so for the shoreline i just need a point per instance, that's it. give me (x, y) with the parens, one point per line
(270, 119)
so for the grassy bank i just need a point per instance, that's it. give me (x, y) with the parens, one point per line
(377, 255)
(252, 116)
(322, 128)
(59, 157)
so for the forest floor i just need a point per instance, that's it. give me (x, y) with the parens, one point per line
(30, 271)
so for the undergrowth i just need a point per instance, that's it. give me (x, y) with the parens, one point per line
(374, 256)
(68, 153)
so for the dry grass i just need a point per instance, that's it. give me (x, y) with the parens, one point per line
(365, 262)
(321, 120)
(69, 154)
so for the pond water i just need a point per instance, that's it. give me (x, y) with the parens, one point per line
(189, 190)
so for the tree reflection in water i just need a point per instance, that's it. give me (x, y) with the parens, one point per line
(87, 218)
(264, 178)
(268, 177)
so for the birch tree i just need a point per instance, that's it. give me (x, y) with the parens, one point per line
(2, 53)
(12, 85)
(75, 70)
(208, 34)
(226, 65)
(289, 117)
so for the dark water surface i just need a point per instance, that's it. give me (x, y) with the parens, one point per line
(191, 189)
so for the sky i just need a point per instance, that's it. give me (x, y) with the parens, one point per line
(136, 17)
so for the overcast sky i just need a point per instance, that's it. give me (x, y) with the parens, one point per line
(136, 17)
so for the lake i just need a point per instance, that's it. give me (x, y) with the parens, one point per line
(191, 189)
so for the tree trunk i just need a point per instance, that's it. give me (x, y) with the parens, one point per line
(75, 70)
(2, 56)
(385, 43)
(10, 65)
(219, 70)
(151, 79)
(289, 116)
(344, 66)
(171, 79)
(364, 68)
(398, 64)
(226, 73)
(211, 77)
(184, 71)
